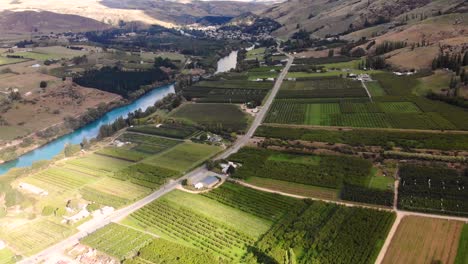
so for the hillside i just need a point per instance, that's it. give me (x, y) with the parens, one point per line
(165, 13)
(27, 21)
(325, 17)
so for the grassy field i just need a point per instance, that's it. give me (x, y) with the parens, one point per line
(256, 54)
(462, 253)
(118, 241)
(213, 116)
(123, 189)
(183, 157)
(414, 241)
(294, 188)
(433, 83)
(5, 60)
(7, 257)
(375, 89)
(100, 163)
(36, 235)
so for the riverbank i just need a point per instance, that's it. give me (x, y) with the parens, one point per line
(91, 130)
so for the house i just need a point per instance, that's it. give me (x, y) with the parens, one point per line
(225, 166)
(77, 217)
(207, 182)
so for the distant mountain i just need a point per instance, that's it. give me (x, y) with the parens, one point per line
(29, 21)
(162, 12)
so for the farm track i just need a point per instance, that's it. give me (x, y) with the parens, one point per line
(95, 224)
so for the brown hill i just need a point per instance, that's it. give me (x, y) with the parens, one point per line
(28, 21)
(324, 17)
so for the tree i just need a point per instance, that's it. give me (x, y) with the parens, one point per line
(43, 84)
(331, 53)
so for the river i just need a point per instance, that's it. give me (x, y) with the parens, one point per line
(227, 63)
(89, 131)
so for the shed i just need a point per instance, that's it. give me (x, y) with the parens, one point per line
(207, 182)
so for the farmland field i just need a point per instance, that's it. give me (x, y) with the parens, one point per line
(36, 235)
(184, 226)
(263, 205)
(317, 232)
(294, 188)
(117, 240)
(161, 250)
(122, 153)
(147, 143)
(6, 256)
(145, 175)
(256, 54)
(462, 252)
(166, 130)
(227, 91)
(375, 89)
(100, 163)
(433, 189)
(324, 171)
(414, 241)
(444, 141)
(383, 114)
(60, 180)
(122, 189)
(183, 157)
(101, 198)
(5, 60)
(228, 117)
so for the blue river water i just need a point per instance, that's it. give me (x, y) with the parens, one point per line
(89, 131)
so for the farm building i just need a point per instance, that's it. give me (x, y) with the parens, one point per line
(207, 182)
(33, 189)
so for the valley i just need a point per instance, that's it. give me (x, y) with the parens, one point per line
(234, 132)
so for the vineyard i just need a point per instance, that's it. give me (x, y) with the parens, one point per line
(60, 179)
(166, 130)
(122, 153)
(148, 144)
(122, 189)
(323, 170)
(233, 91)
(215, 117)
(101, 198)
(99, 163)
(264, 205)
(34, 236)
(182, 225)
(383, 114)
(316, 232)
(356, 137)
(145, 175)
(433, 189)
(183, 157)
(334, 87)
(163, 251)
(118, 241)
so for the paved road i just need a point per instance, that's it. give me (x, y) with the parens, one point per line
(261, 114)
(94, 224)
